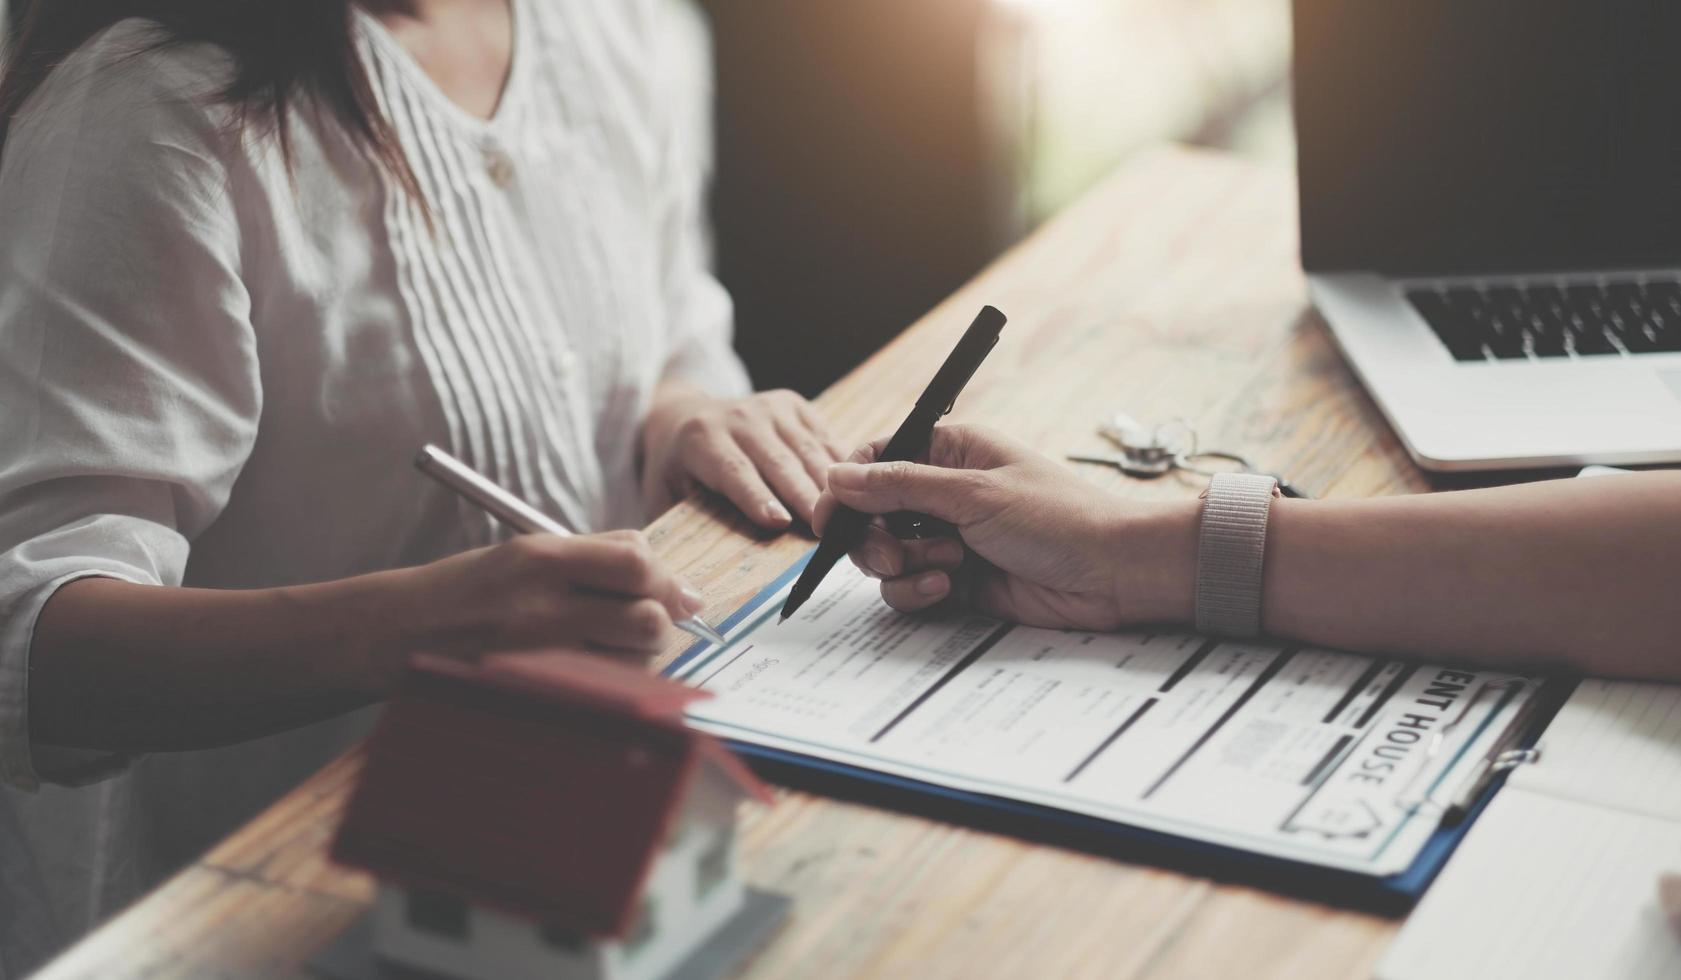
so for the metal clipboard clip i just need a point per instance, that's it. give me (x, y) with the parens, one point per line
(1501, 757)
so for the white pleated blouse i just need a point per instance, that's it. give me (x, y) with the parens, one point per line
(215, 369)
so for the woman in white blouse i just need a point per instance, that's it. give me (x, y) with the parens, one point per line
(252, 255)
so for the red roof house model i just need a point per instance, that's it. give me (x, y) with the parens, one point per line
(538, 784)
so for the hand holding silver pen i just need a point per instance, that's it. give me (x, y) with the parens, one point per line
(516, 513)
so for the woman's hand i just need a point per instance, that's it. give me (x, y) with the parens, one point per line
(767, 452)
(143, 668)
(603, 593)
(1035, 543)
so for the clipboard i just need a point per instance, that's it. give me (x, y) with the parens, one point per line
(1388, 895)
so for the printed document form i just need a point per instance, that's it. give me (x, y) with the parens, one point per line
(1300, 753)
(1559, 878)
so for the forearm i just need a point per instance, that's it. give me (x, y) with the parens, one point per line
(1580, 574)
(135, 668)
(666, 403)
(673, 388)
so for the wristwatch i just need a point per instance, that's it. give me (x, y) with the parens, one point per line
(1231, 546)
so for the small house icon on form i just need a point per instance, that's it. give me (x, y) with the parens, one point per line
(550, 815)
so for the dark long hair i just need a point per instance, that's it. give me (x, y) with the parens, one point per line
(282, 50)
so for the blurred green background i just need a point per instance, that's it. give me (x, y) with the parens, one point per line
(873, 155)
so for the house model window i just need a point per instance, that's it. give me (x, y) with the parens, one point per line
(545, 816)
(643, 932)
(715, 864)
(444, 916)
(562, 939)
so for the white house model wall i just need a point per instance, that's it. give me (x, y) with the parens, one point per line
(692, 890)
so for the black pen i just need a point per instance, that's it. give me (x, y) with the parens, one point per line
(847, 526)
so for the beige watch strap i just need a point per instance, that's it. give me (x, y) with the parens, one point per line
(1231, 545)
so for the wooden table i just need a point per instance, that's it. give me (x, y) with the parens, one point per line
(1173, 289)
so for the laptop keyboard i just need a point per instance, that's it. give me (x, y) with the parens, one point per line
(1537, 320)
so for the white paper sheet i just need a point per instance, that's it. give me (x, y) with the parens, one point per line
(1306, 754)
(1546, 889)
(1559, 879)
(1614, 744)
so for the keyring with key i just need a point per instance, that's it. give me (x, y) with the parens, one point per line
(1151, 451)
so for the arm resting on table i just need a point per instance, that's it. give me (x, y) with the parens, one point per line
(1571, 573)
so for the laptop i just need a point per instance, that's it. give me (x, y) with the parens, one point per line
(1490, 196)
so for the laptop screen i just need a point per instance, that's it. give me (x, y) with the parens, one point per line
(1469, 136)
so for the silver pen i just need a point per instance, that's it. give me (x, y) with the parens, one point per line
(515, 513)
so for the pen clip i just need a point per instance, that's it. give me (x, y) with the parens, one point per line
(974, 365)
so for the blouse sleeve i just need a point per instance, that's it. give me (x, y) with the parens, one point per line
(129, 390)
(699, 312)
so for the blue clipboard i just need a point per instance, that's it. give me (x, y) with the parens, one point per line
(1390, 895)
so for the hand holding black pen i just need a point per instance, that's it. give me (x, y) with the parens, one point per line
(910, 441)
